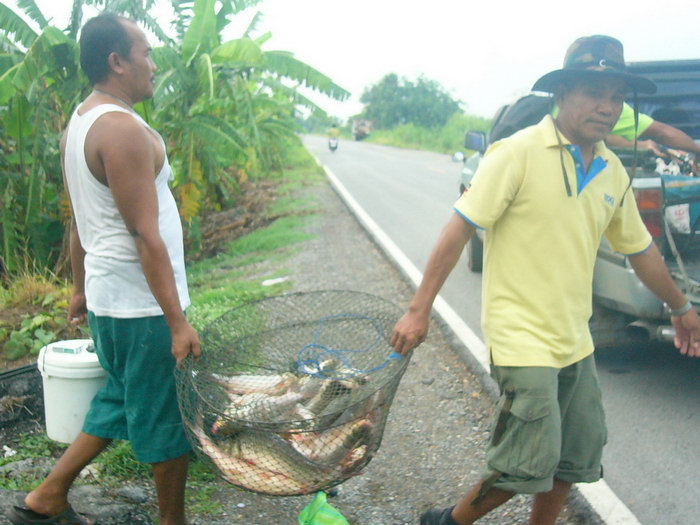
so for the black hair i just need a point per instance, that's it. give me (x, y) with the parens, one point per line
(101, 36)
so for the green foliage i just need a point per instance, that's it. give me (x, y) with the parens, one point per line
(221, 106)
(33, 446)
(46, 298)
(200, 498)
(230, 279)
(447, 139)
(118, 463)
(234, 276)
(29, 446)
(394, 102)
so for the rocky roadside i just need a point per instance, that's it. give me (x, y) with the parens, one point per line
(435, 438)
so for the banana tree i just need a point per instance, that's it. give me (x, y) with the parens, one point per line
(37, 88)
(226, 109)
(225, 103)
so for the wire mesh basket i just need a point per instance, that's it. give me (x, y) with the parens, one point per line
(291, 393)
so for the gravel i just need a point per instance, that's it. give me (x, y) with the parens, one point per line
(435, 439)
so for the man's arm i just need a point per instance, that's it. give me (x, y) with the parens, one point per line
(412, 328)
(128, 158)
(670, 137)
(77, 307)
(651, 270)
(658, 133)
(616, 141)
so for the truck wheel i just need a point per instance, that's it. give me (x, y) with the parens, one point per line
(475, 254)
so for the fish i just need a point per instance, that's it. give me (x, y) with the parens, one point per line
(353, 459)
(331, 446)
(328, 391)
(273, 453)
(256, 407)
(262, 407)
(273, 384)
(245, 473)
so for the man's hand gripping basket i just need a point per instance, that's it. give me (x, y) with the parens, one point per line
(291, 393)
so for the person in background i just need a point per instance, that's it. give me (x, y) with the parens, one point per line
(650, 133)
(128, 267)
(333, 132)
(547, 195)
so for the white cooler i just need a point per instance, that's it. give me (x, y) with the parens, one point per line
(71, 376)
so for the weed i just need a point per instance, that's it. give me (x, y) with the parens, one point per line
(20, 482)
(44, 299)
(200, 500)
(118, 463)
(33, 446)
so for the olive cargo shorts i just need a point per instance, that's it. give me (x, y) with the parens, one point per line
(550, 423)
(138, 401)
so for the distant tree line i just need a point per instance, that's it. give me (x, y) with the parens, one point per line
(395, 101)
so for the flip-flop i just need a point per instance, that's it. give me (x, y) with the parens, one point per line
(25, 516)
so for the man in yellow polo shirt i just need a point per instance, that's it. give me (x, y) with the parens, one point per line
(547, 195)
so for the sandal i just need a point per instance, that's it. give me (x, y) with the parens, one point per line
(438, 517)
(25, 516)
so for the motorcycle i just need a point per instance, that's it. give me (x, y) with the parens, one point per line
(332, 144)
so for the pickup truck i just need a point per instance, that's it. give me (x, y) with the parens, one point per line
(667, 194)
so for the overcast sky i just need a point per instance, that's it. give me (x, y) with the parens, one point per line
(484, 52)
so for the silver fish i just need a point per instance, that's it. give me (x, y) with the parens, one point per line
(245, 473)
(257, 407)
(273, 384)
(333, 445)
(273, 453)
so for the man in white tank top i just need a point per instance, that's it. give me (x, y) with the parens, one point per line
(128, 270)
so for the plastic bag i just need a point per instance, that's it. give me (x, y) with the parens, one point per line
(320, 512)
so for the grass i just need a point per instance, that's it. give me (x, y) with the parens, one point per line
(33, 446)
(447, 139)
(28, 447)
(235, 276)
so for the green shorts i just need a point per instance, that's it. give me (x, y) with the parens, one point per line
(138, 401)
(550, 424)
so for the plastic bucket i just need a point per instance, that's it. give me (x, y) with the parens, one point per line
(71, 376)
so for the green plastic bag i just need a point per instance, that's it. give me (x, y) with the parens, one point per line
(320, 512)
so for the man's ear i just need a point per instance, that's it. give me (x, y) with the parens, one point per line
(115, 62)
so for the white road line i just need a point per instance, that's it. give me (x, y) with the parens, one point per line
(598, 495)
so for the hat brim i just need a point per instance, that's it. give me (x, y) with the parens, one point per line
(549, 82)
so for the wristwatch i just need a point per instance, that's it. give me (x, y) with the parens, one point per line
(680, 311)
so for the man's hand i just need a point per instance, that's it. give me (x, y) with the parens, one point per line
(409, 331)
(687, 338)
(185, 340)
(77, 309)
(652, 146)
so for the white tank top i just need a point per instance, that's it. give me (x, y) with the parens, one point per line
(115, 284)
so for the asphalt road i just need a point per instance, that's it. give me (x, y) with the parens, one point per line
(651, 394)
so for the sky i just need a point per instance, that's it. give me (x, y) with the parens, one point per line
(483, 52)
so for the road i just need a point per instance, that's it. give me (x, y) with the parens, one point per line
(651, 395)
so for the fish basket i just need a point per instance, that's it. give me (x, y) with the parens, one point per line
(291, 393)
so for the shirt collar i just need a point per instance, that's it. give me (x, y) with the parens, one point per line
(546, 126)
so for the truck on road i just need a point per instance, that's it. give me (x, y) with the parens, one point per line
(361, 128)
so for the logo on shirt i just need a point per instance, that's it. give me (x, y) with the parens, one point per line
(609, 199)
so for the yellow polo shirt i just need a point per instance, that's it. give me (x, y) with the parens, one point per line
(541, 244)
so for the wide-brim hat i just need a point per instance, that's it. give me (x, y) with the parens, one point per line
(596, 56)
